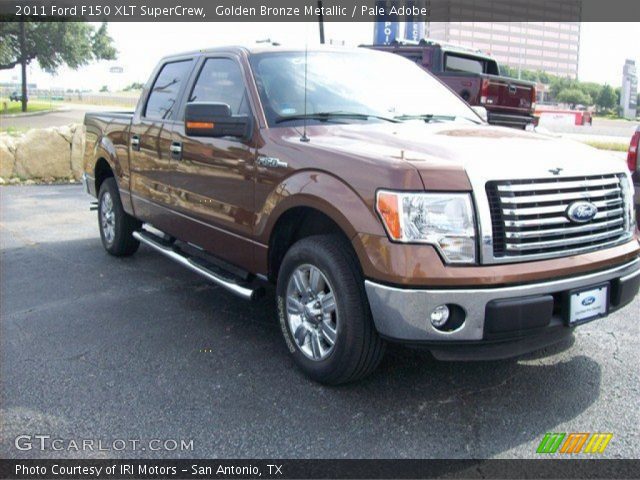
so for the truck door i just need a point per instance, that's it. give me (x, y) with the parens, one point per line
(212, 179)
(150, 143)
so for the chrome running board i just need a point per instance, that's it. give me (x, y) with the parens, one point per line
(210, 272)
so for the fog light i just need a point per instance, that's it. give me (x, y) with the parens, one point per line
(439, 316)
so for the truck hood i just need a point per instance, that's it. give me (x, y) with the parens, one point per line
(481, 152)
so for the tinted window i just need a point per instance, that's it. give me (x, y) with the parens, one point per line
(164, 94)
(454, 63)
(221, 81)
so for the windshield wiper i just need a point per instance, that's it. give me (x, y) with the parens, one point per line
(325, 116)
(428, 117)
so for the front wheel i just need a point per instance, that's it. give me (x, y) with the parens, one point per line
(116, 226)
(324, 313)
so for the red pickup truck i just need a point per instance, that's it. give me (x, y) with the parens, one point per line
(476, 78)
(634, 168)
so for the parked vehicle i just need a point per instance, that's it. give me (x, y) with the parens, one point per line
(399, 217)
(475, 77)
(15, 97)
(634, 168)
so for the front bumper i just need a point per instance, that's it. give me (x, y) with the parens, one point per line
(493, 315)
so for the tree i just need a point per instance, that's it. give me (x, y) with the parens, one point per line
(52, 44)
(529, 75)
(134, 86)
(607, 98)
(558, 84)
(618, 92)
(104, 88)
(591, 88)
(544, 77)
(573, 96)
(507, 71)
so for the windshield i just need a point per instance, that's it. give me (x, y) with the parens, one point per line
(349, 87)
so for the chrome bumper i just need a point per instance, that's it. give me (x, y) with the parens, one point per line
(403, 314)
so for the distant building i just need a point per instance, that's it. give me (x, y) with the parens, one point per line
(553, 47)
(629, 91)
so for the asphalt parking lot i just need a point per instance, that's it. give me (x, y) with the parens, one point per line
(63, 115)
(94, 347)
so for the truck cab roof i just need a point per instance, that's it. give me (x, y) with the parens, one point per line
(431, 43)
(258, 48)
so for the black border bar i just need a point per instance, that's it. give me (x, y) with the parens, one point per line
(319, 469)
(333, 10)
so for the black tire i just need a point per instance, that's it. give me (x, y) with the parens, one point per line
(358, 349)
(118, 242)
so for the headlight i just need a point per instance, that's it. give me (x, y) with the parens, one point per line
(444, 220)
(626, 185)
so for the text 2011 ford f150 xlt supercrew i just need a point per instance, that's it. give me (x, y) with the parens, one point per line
(381, 206)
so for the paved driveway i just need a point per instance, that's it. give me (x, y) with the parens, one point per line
(94, 347)
(69, 113)
(602, 130)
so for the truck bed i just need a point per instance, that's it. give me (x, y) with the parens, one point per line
(498, 94)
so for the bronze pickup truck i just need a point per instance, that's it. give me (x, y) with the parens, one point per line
(378, 203)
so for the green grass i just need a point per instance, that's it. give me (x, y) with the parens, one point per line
(15, 131)
(32, 106)
(611, 146)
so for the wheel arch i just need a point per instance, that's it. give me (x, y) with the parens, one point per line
(106, 163)
(311, 202)
(295, 224)
(102, 170)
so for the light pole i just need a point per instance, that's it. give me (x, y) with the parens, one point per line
(321, 22)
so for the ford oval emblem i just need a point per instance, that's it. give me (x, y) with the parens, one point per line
(588, 301)
(581, 212)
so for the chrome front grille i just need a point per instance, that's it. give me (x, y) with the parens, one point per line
(529, 217)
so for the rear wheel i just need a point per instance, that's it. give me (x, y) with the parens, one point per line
(324, 313)
(116, 226)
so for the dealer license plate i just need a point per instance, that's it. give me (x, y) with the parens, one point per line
(588, 304)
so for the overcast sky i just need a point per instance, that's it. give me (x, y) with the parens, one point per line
(603, 48)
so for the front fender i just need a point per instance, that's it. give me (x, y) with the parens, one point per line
(325, 193)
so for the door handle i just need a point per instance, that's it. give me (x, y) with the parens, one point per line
(176, 150)
(135, 142)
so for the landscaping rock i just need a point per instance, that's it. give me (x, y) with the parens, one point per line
(43, 153)
(7, 158)
(66, 131)
(77, 151)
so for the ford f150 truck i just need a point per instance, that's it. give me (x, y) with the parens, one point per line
(378, 203)
(476, 78)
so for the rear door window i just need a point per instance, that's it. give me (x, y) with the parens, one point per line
(163, 99)
(456, 63)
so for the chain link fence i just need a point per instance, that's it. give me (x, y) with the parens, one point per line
(120, 99)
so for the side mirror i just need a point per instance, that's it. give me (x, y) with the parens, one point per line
(205, 119)
(482, 112)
